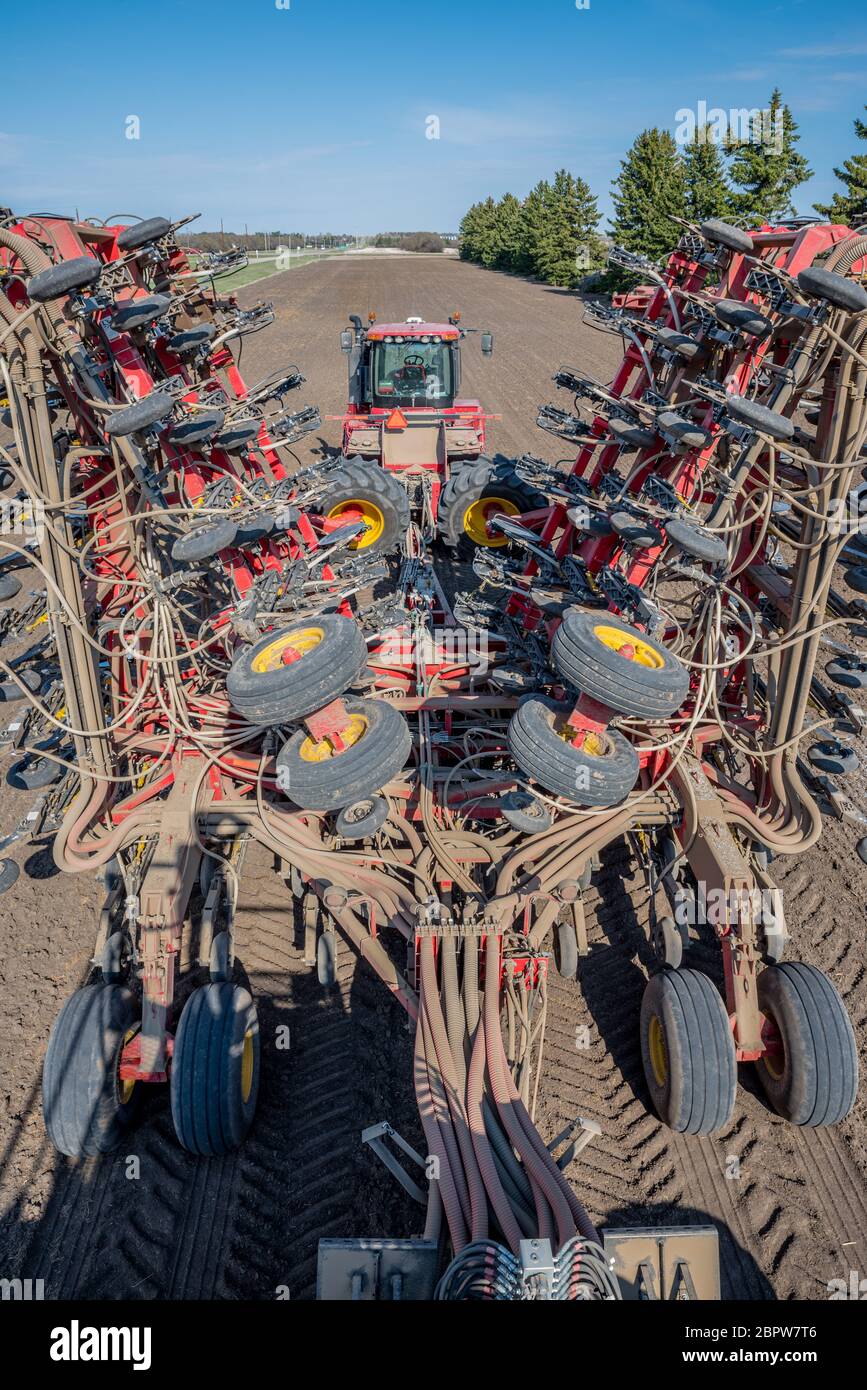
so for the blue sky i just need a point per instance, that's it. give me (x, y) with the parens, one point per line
(314, 116)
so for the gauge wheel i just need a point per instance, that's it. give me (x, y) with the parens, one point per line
(366, 492)
(809, 1071)
(688, 1052)
(215, 1069)
(473, 496)
(599, 771)
(614, 663)
(318, 776)
(290, 674)
(86, 1106)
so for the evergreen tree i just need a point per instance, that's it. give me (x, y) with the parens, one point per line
(767, 165)
(707, 190)
(650, 186)
(509, 235)
(478, 233)
(570, 246)
(846, 207)
(535, 218)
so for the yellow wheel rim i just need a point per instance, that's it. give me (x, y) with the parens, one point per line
(595, 745)
(658, 1054)
(313, 752)
(374, 521)
(300, 639)
(247, 1057)
(616, 639)
(476, 519)
(126, 1088)
(775, 1062)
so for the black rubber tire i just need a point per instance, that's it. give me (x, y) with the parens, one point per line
(140, 233)
(561, 768)
(81, 1101)
(354, 480)
(632, 436)
(818, 1080)
(857, 579)
(360, 771)
(326, 959)
(692, 540)
(190, 339)
(32, 773)
(686, 432)
(696, 1094)
(722, 234)
(850, 671)
(622, 684)
(292, 691)
(141, 415)
(526, 812)
(834, 756)
(833, 289)
(237, 436)
(636, 530)
(254, 529)
(140, 313)
(744, 318)
(197, 430)
(9, 872)
(566, 953)
(10, 585)
(690, 349)
(362, 819)
(10, 693)
(204, 540)
(65, 278)
(473, 483)
(759, 417)
(210, 1111)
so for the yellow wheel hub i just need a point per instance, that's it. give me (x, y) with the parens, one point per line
(247, 1057)
(775, 1062)
(313, 752)
(126, 1088)
(300, 640)
(616, 639)
(476, 519)
(657, 1049)
(595, 745)
(360, 508)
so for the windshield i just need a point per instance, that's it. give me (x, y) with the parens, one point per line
(414, 373)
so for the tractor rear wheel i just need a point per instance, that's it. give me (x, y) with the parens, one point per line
(366, 492)
(473, 495)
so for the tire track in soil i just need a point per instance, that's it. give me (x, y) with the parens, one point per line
(248, 1225)
(796, 1216)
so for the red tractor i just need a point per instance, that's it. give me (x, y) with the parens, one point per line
(413, 450)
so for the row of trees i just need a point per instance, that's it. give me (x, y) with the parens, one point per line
(746, 177)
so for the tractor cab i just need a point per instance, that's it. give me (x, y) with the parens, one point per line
(412, 366)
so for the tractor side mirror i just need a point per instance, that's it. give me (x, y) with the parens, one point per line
(487, 344)
(346, 340)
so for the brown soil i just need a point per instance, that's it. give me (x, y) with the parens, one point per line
(248, 1225)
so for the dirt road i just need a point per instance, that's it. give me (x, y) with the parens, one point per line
(790, 1205)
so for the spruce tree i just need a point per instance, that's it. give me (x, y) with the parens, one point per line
(847, 207)
(509, 234)
(767, 166)
(650, 186)
(571, 246)
(536, 219)
(707, 190)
